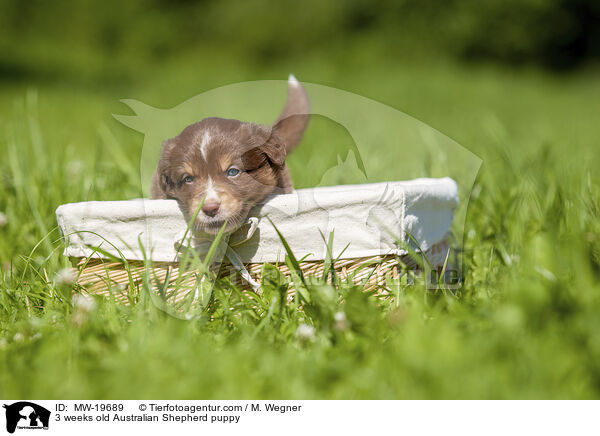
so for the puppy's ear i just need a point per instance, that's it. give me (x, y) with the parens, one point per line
(162, 183)
(292, 121)
(273, 151)
(166, 183)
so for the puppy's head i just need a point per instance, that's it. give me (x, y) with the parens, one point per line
(228, 166)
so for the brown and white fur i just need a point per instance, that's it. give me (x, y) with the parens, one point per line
(230, 164)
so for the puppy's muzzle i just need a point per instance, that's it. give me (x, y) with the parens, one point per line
(211, 208)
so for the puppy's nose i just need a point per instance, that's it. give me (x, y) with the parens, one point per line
(211, 208)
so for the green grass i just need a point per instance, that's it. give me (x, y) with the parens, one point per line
(525, 324)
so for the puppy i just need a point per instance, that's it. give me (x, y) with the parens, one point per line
(230, 164)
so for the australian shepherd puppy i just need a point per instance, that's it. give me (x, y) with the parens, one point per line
(229, 166)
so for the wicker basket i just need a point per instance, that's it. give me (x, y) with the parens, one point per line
(122, 280)
(422, 209)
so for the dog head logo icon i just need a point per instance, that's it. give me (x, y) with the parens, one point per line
(26, 415)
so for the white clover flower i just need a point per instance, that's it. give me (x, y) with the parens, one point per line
(3, 220)
(65, 277)
(341, 322)
(305, 333)
(19, 337)
(84, 304)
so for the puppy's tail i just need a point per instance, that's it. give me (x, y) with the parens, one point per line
(292, 121)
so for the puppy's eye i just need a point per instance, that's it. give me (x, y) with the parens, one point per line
(232, 172)
(188, 179)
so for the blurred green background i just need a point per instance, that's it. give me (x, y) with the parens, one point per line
(443, 62)
(516, 82)
(113, 40)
